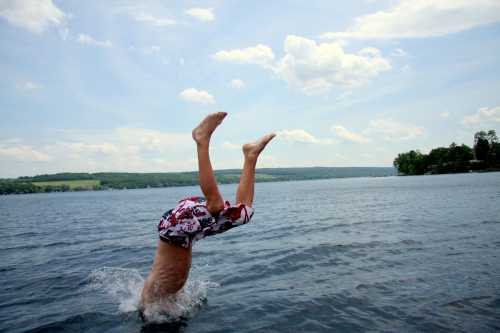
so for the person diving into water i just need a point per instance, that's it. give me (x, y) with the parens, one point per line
(195, 218)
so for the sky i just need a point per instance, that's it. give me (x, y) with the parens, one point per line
(91, 86)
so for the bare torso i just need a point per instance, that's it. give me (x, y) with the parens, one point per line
(169, 273)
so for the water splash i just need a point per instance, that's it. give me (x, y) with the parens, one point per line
(183, 305)
(123, 286)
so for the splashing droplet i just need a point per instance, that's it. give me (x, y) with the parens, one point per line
(123, 286)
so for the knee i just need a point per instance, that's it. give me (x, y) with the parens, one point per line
(215, 207)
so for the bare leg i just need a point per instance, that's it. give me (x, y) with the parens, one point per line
(251, 151)
(172, 263)
(202, 134)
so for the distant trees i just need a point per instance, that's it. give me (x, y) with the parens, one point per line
(459, 154)
(411, 163)
(481, 145)
(485, 155)
(62, 182)
(486, 146)
(11, 186)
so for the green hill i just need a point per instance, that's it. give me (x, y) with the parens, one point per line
(61, 182)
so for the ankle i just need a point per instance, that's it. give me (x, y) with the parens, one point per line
(251, 159)
(203, 144)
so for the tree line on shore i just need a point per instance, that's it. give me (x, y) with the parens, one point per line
(63, 182)
(483, 156)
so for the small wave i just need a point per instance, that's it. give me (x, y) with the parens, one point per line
(83, 322)
(123, 286)
(27, 234)
(58, 244)
(37, 246)
(468, 302)
(7, 269)
(490, 222)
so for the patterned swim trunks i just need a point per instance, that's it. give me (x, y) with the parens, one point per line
(190, 221)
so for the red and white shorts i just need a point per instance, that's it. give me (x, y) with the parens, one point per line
(190, 221)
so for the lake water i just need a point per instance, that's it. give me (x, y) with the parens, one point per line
(393, 254)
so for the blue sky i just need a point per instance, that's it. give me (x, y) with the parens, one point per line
(118, 85)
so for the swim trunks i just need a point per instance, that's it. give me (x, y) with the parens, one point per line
(190, 221)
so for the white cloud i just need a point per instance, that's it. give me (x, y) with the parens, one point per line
(300, 135)
(314, 68)
(149, 139)
(399, 53)
(118, 149)
(90, 148)
(122, 140)
(260, 55)
(153, 20)
(390, 129)
(202, 14)
(22, 152)
(147, 50)
(231, 146)
(32, 15)
(369, 51)
(422, 18)
(197, 96)
(483, 116)
(347, 135)
(153, 49)
(268, 161)
(237, 83)
(29, 86)
(89, 40)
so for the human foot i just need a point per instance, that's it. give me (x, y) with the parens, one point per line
(253, 149)
(203, 132)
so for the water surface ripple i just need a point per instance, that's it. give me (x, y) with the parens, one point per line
(391, 254)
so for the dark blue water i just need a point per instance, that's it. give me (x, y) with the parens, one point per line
(393, 254)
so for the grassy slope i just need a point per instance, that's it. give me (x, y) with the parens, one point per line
(86, 184)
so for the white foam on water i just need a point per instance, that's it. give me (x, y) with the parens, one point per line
(182, 305)
(124, 287)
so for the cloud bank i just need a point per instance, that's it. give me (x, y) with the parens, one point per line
(300, 135)
(197, 96)
(202, 14)
(89, 40)
(33, 15)
(153, 20)
(116, 149)
(313, 68)
(483, 116)
(393, 130)
(347, 135)
(259, 55)
(422, 18)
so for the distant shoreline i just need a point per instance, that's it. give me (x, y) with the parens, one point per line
(451, 173)
(484, 156)
(73, 182)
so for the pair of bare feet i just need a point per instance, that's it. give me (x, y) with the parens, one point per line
(203, 132)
